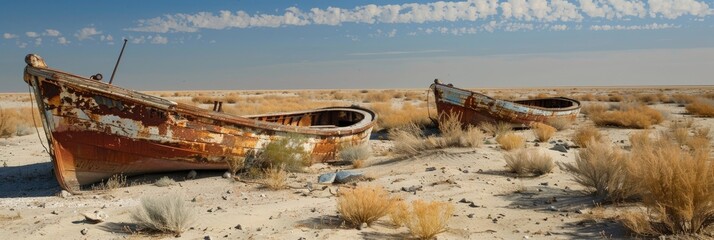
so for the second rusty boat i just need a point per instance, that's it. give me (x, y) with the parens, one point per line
(96, 130)
(474, 108)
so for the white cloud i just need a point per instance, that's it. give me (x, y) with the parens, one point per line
(675, 8)
(107, 38)
(471, 10)
(38, 41)
(652, 26)
(87, 33)
(8, 36)
(62, 40)
(158, 39)
(559, 27)
(22, 45)
(52, 33)
(137, 40)
(32, 34)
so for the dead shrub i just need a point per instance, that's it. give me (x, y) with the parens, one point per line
(701, 107)
(275, 178)
(356, 155)
(585, 134)
(235, 164)
(18, 121)
(510, 141)
(602, 168)
(164, 213)
(364, 204)
(637, 222)
(640, 117)
(429, 218)
(543, 132)
(164, 182)
(382, 96)
(408, 139)
(560, 123)
(529, 162)
(676, 186)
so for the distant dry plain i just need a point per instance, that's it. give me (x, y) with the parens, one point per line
(489, 197)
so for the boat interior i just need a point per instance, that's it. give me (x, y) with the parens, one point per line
(549, 102)
(323, 118)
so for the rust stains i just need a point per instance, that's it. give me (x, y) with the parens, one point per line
(475, 108)
(96, 130)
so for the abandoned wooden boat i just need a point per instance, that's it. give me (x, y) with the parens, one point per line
(474, 108)
(96, 130)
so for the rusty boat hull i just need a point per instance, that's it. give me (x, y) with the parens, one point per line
(96, 130)
(475, 108)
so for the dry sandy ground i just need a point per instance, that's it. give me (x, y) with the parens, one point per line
(505, 206)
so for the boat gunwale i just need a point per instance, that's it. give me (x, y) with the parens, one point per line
(576, 105)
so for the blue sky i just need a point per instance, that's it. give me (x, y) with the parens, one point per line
(179, 45)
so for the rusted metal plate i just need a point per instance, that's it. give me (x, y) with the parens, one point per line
(97, 130)
(475, 108)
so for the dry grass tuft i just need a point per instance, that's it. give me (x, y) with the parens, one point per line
(701, 107)
(529, 162)
(510, 141)
(429, 218)
(585, 134)
(409, 139)
(164, 182)
(603, 168)
(560, 123)
(364, 204)
(543, 132)
(275, 178)
(18, 122)
(391, 117)
(676, 186)
(637, 222)
(454, 135)
(164, 213)
(637, 116)
(497, 129)
(356, 155)
(114, 182)
(593, 108)
(400, 213)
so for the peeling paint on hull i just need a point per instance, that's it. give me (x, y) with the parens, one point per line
(475, 108)
(96, 130)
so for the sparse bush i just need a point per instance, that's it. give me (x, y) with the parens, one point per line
(164, 213)
(542, 131)
(164, 182)
(356, 155)
(364, 204)
(275, 178)
(17, 121)
(287, 151)
(701, 107)
(560, 123)
(639, 116)
(585, 134)
(677, 187)
(529, 161)
(603, 168)
(510, 141)
(429, 218)
(471, 137)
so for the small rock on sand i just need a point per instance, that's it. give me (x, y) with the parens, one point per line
(192, 174)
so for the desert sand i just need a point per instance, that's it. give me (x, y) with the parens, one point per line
(499, 204)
